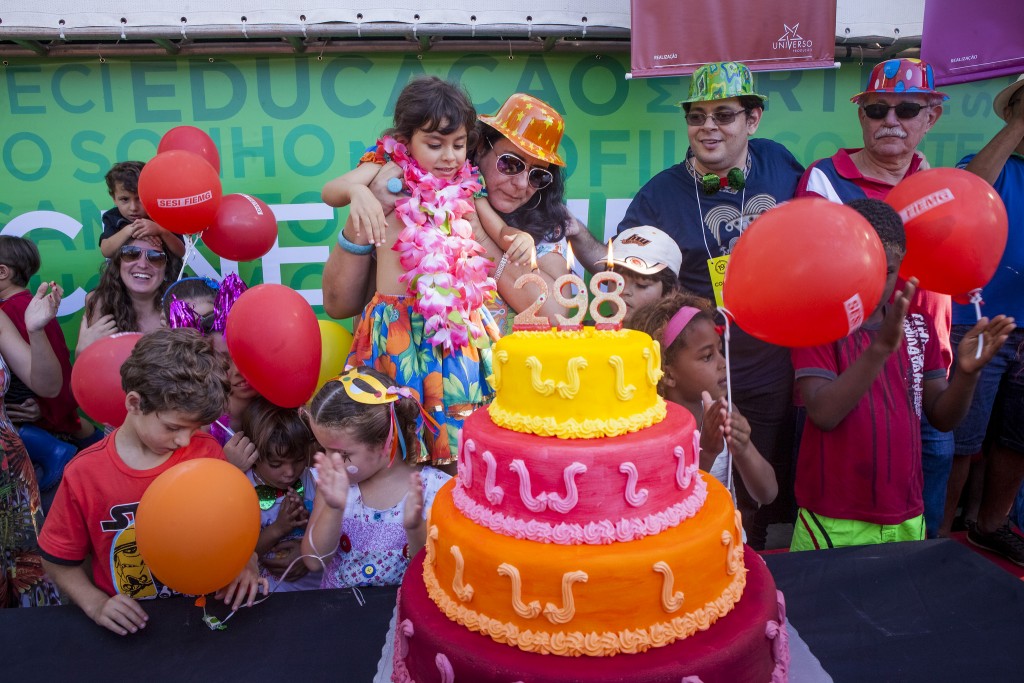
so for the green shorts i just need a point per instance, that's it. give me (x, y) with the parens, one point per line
(814, 532)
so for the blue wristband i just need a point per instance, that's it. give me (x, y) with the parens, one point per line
(352, 247)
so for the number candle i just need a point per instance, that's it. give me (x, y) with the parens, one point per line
(578, 301)
(528, 320)
(616, 285)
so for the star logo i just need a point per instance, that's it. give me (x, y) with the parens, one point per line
(790, 32)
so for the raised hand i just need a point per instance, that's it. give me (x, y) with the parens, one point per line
(413, 514)
(43, 307)
(890, 334)
(241, 452)
(712, 432)
(519, 246)
(991, 334)
(332, 479)
(367, 216)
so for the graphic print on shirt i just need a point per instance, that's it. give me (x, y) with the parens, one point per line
(726, 222)
(129, 572)
(915, 330)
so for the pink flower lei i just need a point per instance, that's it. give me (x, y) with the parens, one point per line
(445, 267)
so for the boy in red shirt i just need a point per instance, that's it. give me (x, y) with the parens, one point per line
(175, 383)
(859, 477)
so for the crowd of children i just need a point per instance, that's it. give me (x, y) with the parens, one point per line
(345, 482)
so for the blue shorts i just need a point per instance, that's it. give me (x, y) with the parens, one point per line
(998, 406)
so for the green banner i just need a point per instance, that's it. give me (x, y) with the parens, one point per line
(285, 125)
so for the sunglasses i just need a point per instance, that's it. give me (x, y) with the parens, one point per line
(511, 165)
(721, 118)
(131, 253)
(904, 110)
(207, 322)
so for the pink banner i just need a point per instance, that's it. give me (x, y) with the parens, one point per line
(674, 37)
(971, 41)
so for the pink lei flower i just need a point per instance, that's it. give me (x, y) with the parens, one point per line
(445, 267)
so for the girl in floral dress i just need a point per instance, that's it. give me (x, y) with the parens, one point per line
(427, 325)
(369, 513)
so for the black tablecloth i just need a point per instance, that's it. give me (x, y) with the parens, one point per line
(302, 636)
(927, 611)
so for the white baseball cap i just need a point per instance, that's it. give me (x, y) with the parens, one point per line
(646, 250)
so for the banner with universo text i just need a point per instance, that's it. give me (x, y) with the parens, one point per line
(674, 37)
(973, 41)
(287, 124)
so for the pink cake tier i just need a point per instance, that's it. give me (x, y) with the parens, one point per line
(747, 645)
(574, 491)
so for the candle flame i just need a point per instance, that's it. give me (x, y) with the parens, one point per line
(533, 261)
(608, 261)
(570, 259)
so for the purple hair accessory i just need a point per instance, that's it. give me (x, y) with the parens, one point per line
(181, 314)
(231, 288)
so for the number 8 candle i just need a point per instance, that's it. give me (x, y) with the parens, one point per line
(616, 285)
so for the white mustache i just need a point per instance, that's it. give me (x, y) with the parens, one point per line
(893, 132)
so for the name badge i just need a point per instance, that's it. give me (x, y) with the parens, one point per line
(716, 267)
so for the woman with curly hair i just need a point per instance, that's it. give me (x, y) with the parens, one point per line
(128, 296)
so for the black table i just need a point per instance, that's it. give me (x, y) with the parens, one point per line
(926, 611)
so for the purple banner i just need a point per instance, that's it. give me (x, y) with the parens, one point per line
(971, 41)
(674, 37)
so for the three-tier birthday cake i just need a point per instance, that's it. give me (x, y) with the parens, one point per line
(580, 542)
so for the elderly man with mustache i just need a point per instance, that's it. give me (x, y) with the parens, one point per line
(898, 107)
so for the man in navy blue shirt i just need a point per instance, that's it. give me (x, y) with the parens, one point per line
(705, 203)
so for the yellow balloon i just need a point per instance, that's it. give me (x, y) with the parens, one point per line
(335, 343)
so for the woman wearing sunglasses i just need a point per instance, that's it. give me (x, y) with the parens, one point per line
(521, 171)
(127, 298)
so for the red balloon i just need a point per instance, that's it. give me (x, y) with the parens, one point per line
(197, 525)
(956, 229)
(243, 230)
(805, 273)
(180, 191)
(96, 378)
(191, 139)
(274, 338)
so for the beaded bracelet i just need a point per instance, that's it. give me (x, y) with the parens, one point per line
(352, 247)
(501, 266)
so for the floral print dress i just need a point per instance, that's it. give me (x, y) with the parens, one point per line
(22, 581)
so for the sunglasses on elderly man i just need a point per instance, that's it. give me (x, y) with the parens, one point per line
(904, 110)
(131, 253)
(511, 165)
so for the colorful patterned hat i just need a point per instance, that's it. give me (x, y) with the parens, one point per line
(901, 76)
(720, 81)
(531, 125)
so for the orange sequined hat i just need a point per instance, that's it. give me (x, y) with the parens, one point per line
(531, 125)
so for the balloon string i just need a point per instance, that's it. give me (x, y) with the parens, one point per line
(320, 557)
(190, 247)
(976, 300)
(728, 388)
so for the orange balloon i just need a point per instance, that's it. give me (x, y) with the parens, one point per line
(956, 229)
(180, 191)
(805, 273)
(197, 525)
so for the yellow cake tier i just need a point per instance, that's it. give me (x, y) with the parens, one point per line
(577, 385)
(594, 600)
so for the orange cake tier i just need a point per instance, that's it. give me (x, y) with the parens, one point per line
(596, 600)
(579, 490)
(577, 385)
